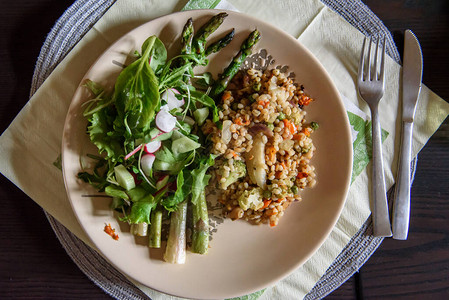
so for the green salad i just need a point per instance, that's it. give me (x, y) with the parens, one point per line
(153, 157)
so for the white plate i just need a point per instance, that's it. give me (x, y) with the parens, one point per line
(243, 258)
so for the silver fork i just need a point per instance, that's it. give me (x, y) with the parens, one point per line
(371, 85)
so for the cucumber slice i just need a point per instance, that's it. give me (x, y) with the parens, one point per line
(162, 182)
(124, 178)
(176, 135)
(200, 115)
(183, 145)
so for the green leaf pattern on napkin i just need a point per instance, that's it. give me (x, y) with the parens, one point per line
(201, 4)
(362, 143)
(252, 296)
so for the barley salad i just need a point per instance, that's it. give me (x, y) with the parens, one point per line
(264, 146)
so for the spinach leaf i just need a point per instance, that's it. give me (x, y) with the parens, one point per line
(136, 92)
(158, 55)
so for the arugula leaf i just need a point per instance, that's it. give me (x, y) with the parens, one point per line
(200, 179)
(173, 163)
(94, 87)
(117, 204)
(206, 101)
(98, 178)
(170, 79)
(136, 94)
(182, 190)
(204, 80)
(141, 210)
(116, 192)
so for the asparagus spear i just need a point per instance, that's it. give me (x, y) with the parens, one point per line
(200, 235)
(187, 37)
(245, 50)
(175, 251)
(220, 44)
(155, 229)
(199, 40)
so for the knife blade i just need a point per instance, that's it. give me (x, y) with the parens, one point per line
(411, 86)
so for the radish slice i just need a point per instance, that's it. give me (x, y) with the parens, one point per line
(133, 152)
(165, 121)
(146, 163)
(170, 97)
(152, 146)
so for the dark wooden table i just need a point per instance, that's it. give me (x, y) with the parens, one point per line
(34, 265)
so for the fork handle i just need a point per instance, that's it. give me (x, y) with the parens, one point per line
(401, 204)
(381, 217)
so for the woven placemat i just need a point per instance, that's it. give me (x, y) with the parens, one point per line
(70, 28)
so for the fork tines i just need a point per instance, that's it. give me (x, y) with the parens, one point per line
(369, 70)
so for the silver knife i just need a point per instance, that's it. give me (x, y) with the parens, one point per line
(411, 85)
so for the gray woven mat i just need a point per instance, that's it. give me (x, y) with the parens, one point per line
(70, 28)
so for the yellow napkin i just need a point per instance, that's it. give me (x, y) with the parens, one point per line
(37, 130)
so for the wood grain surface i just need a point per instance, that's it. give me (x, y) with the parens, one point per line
(33, 264)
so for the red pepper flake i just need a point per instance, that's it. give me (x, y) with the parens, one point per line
(111, 231)
(304, 100)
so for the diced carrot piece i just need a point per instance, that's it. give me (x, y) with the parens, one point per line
(226, 96)
(289, 125)
(306, 131)
(266, 203)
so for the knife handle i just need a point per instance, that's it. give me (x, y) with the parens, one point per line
(381, 216)
(401, 206)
